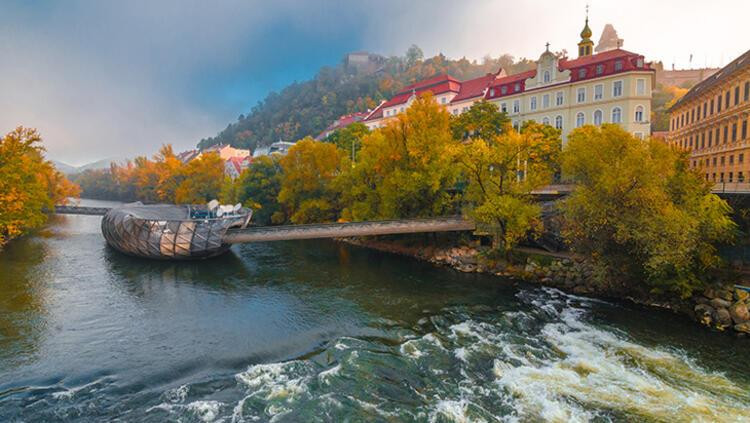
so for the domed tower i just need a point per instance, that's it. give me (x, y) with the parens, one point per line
(586, 45)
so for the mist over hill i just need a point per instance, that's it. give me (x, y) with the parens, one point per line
(306, 108)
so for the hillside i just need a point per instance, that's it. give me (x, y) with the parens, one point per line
(306, 108)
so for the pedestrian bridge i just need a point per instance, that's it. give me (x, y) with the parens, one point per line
(323, 230)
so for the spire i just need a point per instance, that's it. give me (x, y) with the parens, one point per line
(586, 45)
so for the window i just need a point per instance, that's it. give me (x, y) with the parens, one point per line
(599, 69)
(580, 119)
(617, 115)
(581, 73)
(744, 130)
(558, 122)
(703, 140)
(718, 104)
(492, 92)
(722, 160)
(559, 98)
(504, 108)
(704, 110)
(726, 99)
(711, 107)
(581, 96)
(546, 77)
(504, 90)
(402, 110)
(740, 177)
(517, 87)
(734, 131)
(736, 95)
(617, 89)
(747, 91)
(618, 65)
(545, 120)
(598, 91)
(639, 135)
(443, 100)
(532, 103)
(741, 158)
(598, 117)
(639, 62)
(731, 159)
(730, 176)
(516, 106)
(640, 86)
(726, 134)
(516, 125)
(545, 101)
(639, 113)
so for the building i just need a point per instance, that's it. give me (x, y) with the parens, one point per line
(234, 166)
(281, 147)
(341, 123)
(711, 122)
(610, 87)
(681, 77)
(188, 155)
(226, 151)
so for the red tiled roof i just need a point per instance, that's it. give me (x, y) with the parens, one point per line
(474, 87)
(436, 85)
(376, 113)
(509, 81)
(342, 122)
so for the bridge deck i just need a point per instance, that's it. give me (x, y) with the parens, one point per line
(342, 230)
(91, 211)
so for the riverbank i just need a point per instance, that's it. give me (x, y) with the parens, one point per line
(721, 307)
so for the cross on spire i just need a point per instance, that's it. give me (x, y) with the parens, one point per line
(547, 45)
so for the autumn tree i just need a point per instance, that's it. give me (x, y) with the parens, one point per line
(638, 210)
(307, 193)
(201, 180)
(483, 120)
(349, 139)
(502, 170)
(258, 187)
(405, 168)
(30, 186)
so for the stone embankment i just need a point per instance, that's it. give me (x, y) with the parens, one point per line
(721, 307)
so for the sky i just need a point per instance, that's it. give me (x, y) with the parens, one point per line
(106, 79)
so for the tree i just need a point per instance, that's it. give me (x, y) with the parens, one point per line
(309, 169)
(258, 187)
(405, 168)
(502, 170)
(639, 212)
(349, 139)
(413, 55)
(201, 180)
(30, 186)
(483, 120)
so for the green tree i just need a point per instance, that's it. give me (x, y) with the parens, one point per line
(502, 171)
(639, 212)
(405, 168)
(201, 180)
(349, 139)
(258, 187)
(483, 120)
(307, 193)
(30, 186)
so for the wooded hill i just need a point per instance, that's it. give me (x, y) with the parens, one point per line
(307, 108)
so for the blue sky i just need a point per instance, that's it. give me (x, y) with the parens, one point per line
(115, 79)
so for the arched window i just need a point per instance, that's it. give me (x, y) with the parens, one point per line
(558, 122)
(580, 119)
(546, 77)
(598, 117)
(617, 115)
(639, 114)
(545, 120)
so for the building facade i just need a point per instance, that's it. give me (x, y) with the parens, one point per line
(711, 122)
(614, 86)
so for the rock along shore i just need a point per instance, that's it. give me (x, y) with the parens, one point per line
(721, 307)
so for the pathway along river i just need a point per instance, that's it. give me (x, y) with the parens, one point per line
(319, 331)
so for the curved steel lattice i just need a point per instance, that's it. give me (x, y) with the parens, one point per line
(167, 231)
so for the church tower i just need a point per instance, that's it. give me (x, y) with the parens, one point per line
(586, 45)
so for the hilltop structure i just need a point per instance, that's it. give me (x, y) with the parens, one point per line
(711, 122)
(610, 87)
(609, 40)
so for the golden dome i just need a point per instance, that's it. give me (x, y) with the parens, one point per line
(586, 33)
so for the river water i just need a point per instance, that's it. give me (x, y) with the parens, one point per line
(320, 331)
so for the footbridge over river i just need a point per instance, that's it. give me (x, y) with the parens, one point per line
(323, 230)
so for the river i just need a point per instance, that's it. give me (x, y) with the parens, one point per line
(320, 331)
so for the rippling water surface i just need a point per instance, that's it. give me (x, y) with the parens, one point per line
(318, 331)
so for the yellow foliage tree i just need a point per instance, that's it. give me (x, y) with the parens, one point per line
(30, 186)
(201, 180)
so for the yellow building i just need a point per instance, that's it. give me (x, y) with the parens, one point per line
(613, 86)
(711, 122)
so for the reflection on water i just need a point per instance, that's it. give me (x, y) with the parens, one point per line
(322, 331)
